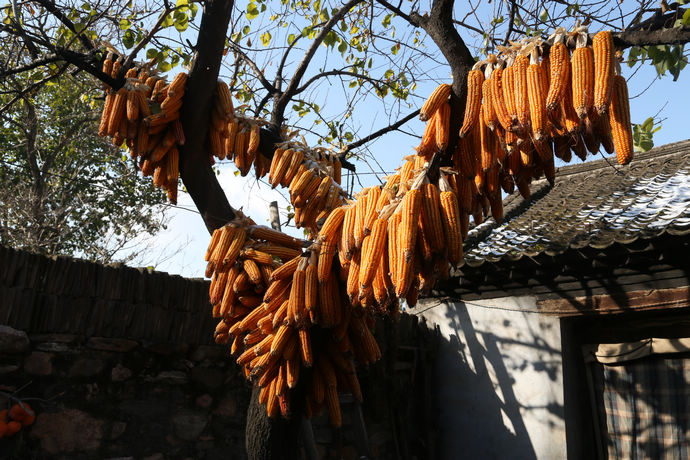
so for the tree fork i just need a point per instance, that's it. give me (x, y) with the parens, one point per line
(439, 25)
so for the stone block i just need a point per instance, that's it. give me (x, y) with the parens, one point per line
(111, 344)
(188, 426)
(208, 378)
(13, 340)
(86, 368)
(172, 377)
(120, 373)
(39, 363)
(68, 431)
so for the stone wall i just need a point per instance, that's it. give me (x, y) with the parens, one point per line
(120, 363)
(101, 397)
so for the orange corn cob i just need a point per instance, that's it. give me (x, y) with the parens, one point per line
(442, 133)
(132, 106)
(295, 162)
(329, 302)
(277, 154)
(260, 232)
(559, 75)
(437, 97)
(475, 84)
(604, 61)
(619, 118)
(372, 257)
(296, 305)
(281, 168)
(488, 111)
(310, 290)
(372, 208)
(536, 82)
(107, 111)
(325, 260)
(176, 87)
(488, 150)
(235, 246)
(224, 100)
(451, 223)
(508, 87)
(432, 218)
(360, 217)
(582, 68)
(498, 100)
(521, 98)
(305, 347)
(331, 227)
(393, 247)
(117, 111)
(347, 238)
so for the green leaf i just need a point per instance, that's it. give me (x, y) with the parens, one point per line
(386, 20)
(125, 24)
(342, 47)
(167, 22)
(252, 11)
(128, 39)
(544, 15)
(181, 23)
(686, 18)
(151, 53)
(291, 39)
(266, 38)
(330, 39)
(647, 124)
(395, 48)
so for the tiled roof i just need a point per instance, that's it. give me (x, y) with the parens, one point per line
(593, 204)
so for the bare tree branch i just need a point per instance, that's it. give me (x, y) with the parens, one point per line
(673, 36)
(278, 117)
(346, 73)
(378, 133)
(55, 11)
(6, 72)
(156, 27)
(259, 74)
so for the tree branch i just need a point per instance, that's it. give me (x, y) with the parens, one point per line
(439, 26)
(409, 18)
(55, 11)
(259, 74)
(130, 59)
(672, 36)
(278, 115)
(511, 21)
(334, 72)
(5, 72)
(195, 168)
(378, 133)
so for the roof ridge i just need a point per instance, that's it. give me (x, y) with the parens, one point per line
(661, 151)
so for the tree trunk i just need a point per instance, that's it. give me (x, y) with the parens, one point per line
(274, 439)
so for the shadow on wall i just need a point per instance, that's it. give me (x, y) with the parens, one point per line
(499, 385)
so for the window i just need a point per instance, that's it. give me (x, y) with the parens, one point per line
(640, 396)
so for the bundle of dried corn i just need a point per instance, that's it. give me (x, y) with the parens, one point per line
(530, 102)
(145, 114)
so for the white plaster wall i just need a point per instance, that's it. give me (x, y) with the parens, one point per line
(499, 374)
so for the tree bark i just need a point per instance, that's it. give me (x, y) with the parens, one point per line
(273, 439)
(195, 161)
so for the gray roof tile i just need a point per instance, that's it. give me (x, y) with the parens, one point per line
(593, 204)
